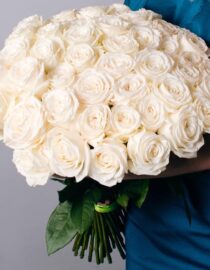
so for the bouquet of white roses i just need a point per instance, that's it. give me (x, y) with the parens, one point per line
(92, 94)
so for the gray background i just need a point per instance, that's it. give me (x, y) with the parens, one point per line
(24, 211)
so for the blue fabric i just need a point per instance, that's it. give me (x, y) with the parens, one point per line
(191, 14)
(159, 236)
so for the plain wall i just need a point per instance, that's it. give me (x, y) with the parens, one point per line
(24, 211)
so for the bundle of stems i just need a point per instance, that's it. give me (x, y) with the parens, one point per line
(105, 234)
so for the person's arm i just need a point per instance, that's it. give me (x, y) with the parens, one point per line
(179, 166)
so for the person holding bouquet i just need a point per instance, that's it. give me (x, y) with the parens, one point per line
(158, 235)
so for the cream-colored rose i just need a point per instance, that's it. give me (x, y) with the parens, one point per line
(81, 56)
(27, 77)
(117, 9)
(91, 12)
(202, 106)
(82, 31)
(152, 112)
(49, 50)
(62, 76)
(68, 154)
(148, 15)
(170, 45)
(94, 122)
(173, 92)
(67, 15)
(125, 43)
(184, 131)
(166, 28)
(60, 106)
(148, 153)
(94, 87)
(113, 25)
(117, 64)
(125, 121)
(153, 63)
(147, 37)
(24, 123)
(191, 59)
(16, 49)
(191, 42)
(129, 88)
(5, 100)
(108, 163)
(33, 164)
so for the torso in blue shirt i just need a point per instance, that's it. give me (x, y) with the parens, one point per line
(159, 236)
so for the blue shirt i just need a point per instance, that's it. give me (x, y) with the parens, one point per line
(158, 235)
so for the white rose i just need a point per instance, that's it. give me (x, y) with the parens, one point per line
(117, 9)
(152, 112)
(148, 15)
(184, 131)
(60, 106)
(166, 28)
(16, 49)
(191, 42)
(67, 15)
(125, 121)
(125, 43)
(203, 89)
(108, 163)
(191, 74)
(153, 64)
(5, 100)
(27, 26)
(148, 153)
(27, 76)
(202, 106)
(94, 122)
(24, 123)
(207, 66)
(113, 25)
(33, 164)
(117, 64)
(130, 87)
(50, 29)
(81, 56)
(170, 45)
(49, 50)
(172, 91)
(91, 12)
(82, 31)
(62, 76)
(94, 87)
(191, 59)
(68, 154)
(147, 37)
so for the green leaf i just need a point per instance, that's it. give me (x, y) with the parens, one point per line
(82, 213)
(136, 190)
(123, 200)
(60, 229)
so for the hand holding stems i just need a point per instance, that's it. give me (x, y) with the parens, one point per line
(179, 166)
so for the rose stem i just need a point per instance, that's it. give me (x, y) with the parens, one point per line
(75, 241)
(105, 238)
(96, 245)
(101, 243)
(91, 247)
(84, 244)
(78, 245)
(115, 236)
